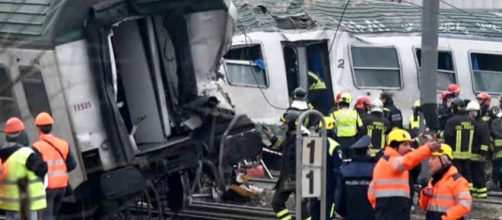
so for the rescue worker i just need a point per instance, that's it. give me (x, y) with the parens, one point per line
(376, 127)
(286, 184)
(455, 90)
(333, 161)
(444, 110)
(352, 184)
(363, 106)
(447, 193)
(318, 92)
(459, 133)
(390, 111)
(484, 100)
(417, 122)
(496, 134)
(20, 163)
(479, 151)
(56, 152)
(389, 190)
(348, 124)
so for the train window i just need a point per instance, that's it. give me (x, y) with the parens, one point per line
(376, 67)
(446, 69)
(487, 72)
(8, 105)
(34, 89)
(245, 66)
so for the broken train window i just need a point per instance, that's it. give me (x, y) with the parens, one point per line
(8, 105)
(446, 68)
(245, 66)
(34, 89)
(487, 72)
(376, 67)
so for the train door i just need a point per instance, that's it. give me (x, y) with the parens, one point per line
(307, 66)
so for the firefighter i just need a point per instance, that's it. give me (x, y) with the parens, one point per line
(479, 151)
(362, 107)
(286, 183)
(447, 194)
(459, 133)
(56, 152)
(318, 92)
(348, 124)
(390, 111)
(455, 90)
(352, 183)
(496, 134)
(389, 190)
(333, 161)
(376, 127)
(444, 110)
(417, 122)
(484, 100)
(20, 163)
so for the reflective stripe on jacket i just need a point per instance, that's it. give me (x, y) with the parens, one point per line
(347, 122)
(450, 198)
(389, 190)
(315, 82)
(15, 170)
(57, 171)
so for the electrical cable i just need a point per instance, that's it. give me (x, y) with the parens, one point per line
(338, 26)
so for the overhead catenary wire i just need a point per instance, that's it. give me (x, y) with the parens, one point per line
(338, 26)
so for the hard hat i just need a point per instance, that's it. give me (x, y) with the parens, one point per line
(494, 111)
(13, 125)
(376, 105)
(416, 104)
(398, 135)
(445, 94)
(299, 94)
(363, 142)
(43, 119)
(445, 150)
(363, 103)
(457, 104)
(346, 98)
(473, 106)
(454, 88)
(484, 96)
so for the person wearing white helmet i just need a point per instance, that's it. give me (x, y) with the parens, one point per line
(376, 126)
(479, 151)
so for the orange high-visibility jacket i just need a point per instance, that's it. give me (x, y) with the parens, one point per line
(389, 191)
(450, 198)
(57, 171)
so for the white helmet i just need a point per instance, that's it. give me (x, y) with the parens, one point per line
(473, 106)
(376, 105)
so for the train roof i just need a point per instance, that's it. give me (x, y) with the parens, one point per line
(361, 17)
(46, 23)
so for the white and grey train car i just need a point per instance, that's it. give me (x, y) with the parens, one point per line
(127, 82)
(376, 48)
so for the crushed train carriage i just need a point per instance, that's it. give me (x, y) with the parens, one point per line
(128, 82)
(373, 47)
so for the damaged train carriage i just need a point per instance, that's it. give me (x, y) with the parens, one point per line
(128, 84)
(364, 49)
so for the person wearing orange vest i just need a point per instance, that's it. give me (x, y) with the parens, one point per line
(20, 163)
(389, 190)
(56, 152)
(447, 195)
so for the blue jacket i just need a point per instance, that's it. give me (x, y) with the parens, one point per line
(352, 188)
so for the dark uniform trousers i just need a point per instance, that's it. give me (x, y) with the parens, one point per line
(497, 172)
(478, 178)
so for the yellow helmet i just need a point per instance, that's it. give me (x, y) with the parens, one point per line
(445, 150)
(346, 97)
(398, 135)
(416, 104)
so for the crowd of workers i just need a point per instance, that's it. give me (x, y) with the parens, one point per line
(34, 177)
(379, 161)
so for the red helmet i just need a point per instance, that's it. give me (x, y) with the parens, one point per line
(363, 103)
(485, 97)
(454, 88)
(444, 94)
(13, 125)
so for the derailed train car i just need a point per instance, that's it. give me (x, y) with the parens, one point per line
(363, 47)
(128, 84)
